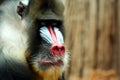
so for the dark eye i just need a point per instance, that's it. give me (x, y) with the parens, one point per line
(49, 22)
(56, 23)
(42, 23)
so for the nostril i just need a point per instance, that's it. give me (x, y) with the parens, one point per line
(57, 49)
(62, 49)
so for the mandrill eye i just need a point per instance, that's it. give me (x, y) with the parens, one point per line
(42, 23)
(48, 22)
(54, 24)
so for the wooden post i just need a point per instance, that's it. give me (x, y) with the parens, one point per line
(93, 31)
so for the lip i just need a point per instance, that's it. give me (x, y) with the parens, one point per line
(52, 63)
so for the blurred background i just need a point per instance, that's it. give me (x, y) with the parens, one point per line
(93, 38)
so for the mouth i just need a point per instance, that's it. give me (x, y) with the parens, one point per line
(51, 63)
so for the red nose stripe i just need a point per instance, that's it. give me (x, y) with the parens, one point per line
(57, 49)
(53, 35)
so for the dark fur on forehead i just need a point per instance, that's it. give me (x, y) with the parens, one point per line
(45, 7)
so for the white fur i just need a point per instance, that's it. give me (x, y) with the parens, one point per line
(44, 32)
(66, 61)
(12, 33)
(59, 35)
(25, 2)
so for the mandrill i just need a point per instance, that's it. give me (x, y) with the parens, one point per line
(32, 38)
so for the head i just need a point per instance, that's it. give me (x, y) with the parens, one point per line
(46, 33)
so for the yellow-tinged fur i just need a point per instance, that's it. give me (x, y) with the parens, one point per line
(52, 73)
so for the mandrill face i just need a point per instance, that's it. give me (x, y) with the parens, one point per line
(46, 33)
(49, 50)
